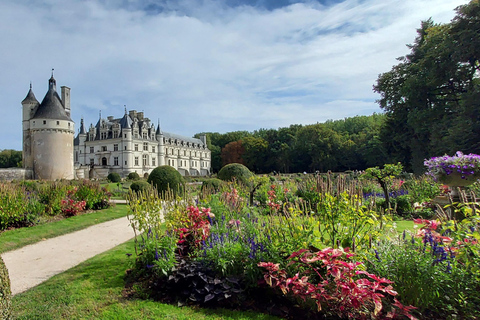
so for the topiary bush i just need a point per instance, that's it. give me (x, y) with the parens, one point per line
(211, 185)
(140, 185)
(235, 171)
(114, 177)
(133, 176)
(5, 292)
(166, 178)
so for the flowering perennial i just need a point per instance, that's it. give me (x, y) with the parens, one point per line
(466, 165)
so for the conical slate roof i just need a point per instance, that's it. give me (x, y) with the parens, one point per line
(30, 98)
(51, 106)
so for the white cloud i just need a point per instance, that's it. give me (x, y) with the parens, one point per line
(206, 67)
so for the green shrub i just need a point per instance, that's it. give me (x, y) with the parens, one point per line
(140, 185)
(235, 171)
(5, 292)
(95, 197)
(211, 184)
(166, 178)
(114, 177)
(133, 176)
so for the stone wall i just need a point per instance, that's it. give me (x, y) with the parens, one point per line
(9, 174)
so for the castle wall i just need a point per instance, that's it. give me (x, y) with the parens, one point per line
(10, 174)
(53, 154)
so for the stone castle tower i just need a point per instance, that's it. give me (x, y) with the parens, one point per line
(48, 133)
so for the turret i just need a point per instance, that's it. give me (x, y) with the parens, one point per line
(51, 131)
(29, 106)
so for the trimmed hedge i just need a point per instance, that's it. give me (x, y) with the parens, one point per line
(235, 171)
(165, 178)
(140, 185)
(5, 292)
(211, 184)
(114, 177)
(133, 176)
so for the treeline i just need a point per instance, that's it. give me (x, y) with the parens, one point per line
(431, 103)
(10, 158)
(348, 144)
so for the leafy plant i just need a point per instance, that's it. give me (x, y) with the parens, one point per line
(71, 207)
(346, 221)
(336, 285)
(191, 282)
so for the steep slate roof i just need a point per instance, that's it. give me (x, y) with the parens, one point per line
(126, 122)
(30, 98)
(183, 138)
(51, 106)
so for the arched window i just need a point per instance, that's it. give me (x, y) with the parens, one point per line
(104, 161)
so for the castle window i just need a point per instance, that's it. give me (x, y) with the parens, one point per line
(115, 147)
(125, 147)
(104, 161)
(145, 146)
(58, 123)
(145, 135)
(153, 162)
(136, 147)
(69, 124)
(125, 135)
(136, 161)
(104, 148)
(115, 161)
(91, 149)
(103, 135)
(125, 162)
(44, 121)
(145, 160)
(92, 162)
(153, 149)
(115, 134)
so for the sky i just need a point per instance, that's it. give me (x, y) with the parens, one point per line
(205, 65)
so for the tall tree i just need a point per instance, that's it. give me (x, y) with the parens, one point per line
(424, 95)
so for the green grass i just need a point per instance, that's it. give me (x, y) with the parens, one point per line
(93, 290)
(17, 238)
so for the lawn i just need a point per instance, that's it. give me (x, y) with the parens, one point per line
(93, 290)
(17, 238)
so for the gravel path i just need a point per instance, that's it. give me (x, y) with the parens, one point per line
(33, 264)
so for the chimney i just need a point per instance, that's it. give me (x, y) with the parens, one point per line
(66, 99)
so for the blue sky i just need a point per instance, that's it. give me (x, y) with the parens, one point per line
(208, 65)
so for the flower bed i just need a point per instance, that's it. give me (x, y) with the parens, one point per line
(323, 258)
(25, 203)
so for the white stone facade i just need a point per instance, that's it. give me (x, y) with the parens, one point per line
(133, 144)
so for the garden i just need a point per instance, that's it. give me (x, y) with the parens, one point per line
(377, 244)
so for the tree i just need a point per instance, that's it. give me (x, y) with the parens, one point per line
(10, 158)
(254, 155)
(428, 93)
(384, 177)
(233, 153)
